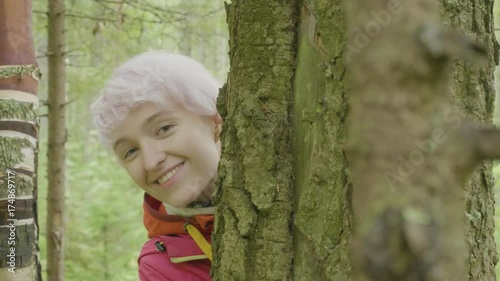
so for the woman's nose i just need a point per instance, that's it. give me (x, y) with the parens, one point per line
(152, 157)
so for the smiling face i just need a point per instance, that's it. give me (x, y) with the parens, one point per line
(171, 154)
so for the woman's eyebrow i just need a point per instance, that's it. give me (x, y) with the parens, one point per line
(146, 122)
(152, 118)
(120, 140)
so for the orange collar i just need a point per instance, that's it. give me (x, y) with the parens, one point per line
(158, 222)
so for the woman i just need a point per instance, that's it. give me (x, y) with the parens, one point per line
(158, 115)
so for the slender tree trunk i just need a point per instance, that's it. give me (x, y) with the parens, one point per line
(57, 139)
(19, 75)
(412, 150)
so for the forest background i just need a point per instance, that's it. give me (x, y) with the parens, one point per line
(104, 231)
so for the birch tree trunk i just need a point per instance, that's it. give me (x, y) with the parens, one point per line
(19, 75)
(57, 139)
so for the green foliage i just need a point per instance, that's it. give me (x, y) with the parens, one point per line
(104, 231)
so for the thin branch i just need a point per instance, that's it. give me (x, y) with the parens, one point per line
(81, 16)
(212, 12)
(112, 2)
(154, 11)
(151, 7)
(80, 66)
(91, 18)
(40, 12)
(124, 15)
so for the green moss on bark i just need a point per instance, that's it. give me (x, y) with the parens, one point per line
(12, 154)
(254, 208)
(24, 186)
(20, 70)
(321, 189)
(12, 109)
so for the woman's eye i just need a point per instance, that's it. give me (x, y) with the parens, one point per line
(129, 152)
(164, 129)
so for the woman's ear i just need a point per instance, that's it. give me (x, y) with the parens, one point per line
(218, 126)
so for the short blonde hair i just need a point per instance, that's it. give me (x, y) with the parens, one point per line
(157, 77)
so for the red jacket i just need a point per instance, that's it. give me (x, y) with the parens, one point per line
(171, 254)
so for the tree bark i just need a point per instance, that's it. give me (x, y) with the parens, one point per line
(19, 76)
(323, 215)
(474, 94)
(56, 141)
(253, 235)
(412, 150)
(285, 77)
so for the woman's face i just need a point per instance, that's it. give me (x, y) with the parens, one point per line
(171, 154)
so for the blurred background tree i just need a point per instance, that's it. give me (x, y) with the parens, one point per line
(104, 231)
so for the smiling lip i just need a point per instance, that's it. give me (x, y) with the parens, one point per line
(165, 184)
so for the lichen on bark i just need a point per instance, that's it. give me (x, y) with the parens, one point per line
(19, 70)
(16, 110)
(24, 186)
(322, 186)
(255, 203)
(15, 155)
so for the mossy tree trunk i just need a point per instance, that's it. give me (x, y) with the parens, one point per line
(19, 75)
(284, 109)
(283, 203)
(253, 234)
(412, 146)
(56, 153)
(322, 189)
(474, 94)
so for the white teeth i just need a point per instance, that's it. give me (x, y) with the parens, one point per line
(169, 175)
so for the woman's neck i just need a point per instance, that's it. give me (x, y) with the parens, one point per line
(207, 193)
(201, 206)
(189, 211)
